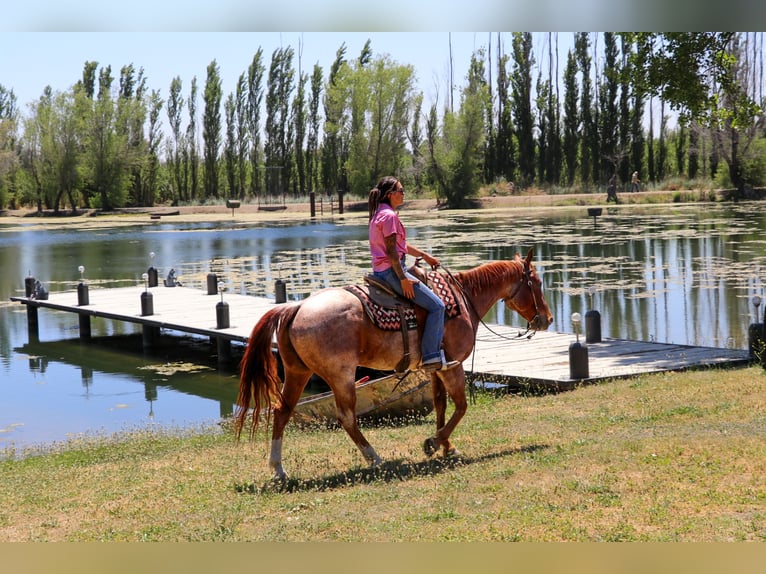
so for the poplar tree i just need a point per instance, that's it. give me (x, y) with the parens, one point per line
(211, 128)
(521, 82)
(175, 147)
(254, 100)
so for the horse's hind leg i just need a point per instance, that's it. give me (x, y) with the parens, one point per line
(295, 382)
(345, 407)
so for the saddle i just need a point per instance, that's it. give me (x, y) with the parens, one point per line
(390, 311)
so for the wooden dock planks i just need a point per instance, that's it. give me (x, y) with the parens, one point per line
(499, 354)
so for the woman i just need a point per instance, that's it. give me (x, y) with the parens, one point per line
(389, 248)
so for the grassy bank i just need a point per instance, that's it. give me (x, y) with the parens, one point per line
(667, 457)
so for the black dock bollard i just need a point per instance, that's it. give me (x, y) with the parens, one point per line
(578, 354)
(29, 285)
(82, 295)
(280, 291)
(222, 315)
(212, 284)
(153, 277)
(592, 326)
(313, 203)
(147, 304)
(222, 311)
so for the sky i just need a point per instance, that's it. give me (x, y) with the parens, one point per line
(57, 58)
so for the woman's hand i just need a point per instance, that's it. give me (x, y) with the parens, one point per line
(431, 260)
(408, 287)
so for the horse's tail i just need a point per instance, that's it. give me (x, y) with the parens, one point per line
(259, 380)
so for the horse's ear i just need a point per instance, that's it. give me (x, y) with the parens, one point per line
(529, 255)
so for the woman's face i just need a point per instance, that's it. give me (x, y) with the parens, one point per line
(397, 196)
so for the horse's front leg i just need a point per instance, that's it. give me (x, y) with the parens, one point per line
(450, 383)
(345, 408)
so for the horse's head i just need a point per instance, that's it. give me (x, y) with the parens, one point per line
(526, 296)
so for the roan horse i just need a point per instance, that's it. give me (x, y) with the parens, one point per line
(330, 334)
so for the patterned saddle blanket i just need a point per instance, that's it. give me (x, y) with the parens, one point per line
(386, 311)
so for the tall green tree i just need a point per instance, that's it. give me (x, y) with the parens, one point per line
(278, 146)
(299, 115)
(456, 154)
(211, 128)
(334, 145)
(176, 146)
(589, 132)
(8, 143)
(254, 101)
(571, 119)
(312, 146)
(521, 82)
(154, 142)
(191, 151)
(611, 153)
(504, 150)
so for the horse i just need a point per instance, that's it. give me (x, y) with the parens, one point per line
(329, 334)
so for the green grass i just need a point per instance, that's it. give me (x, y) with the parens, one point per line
(665, 457)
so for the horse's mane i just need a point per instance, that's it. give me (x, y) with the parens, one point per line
(487, 275)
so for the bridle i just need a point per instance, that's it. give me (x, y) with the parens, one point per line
(526, 277)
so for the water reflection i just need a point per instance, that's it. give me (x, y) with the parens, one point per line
(680, 274)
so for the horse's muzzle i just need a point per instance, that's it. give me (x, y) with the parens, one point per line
(541, 322)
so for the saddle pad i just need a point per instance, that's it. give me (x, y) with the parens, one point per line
(385, 318)
(389, 319)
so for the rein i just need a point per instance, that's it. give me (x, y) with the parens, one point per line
(528, 334)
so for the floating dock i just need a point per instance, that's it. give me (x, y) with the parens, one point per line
(500, 356)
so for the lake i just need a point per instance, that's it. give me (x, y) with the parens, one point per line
(673, 273)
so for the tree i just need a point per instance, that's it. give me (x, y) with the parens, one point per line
(312, 146)
(191, 153)
(211, 128)
(589, 132)
(456, 154)
(278, 144)
(176, 146)
(300, 182)
(8, 152)
(521, 82)
(710, 79)
(334, 144)
(154, 141)
(571, 119)
(611, 154)
(254, 99)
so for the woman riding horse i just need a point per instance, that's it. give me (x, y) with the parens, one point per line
(389, 247)
(330, 334)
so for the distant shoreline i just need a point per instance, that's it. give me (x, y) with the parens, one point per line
(292, 211)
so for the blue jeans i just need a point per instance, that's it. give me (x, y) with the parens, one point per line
(433, 330)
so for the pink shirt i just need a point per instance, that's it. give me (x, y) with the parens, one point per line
(384, 223)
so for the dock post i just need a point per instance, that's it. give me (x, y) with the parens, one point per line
(29, 285)
(147, 304)
(148, 336)
(313, 203)
(280, 291)
(152, 277)
(224, 350)
(82, 295)
(84, 325)
(33, 325)
(592, 326)
(578, 354)
(212, 284)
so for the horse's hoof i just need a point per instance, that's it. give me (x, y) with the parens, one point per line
(451, 452)
(429, 446)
